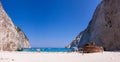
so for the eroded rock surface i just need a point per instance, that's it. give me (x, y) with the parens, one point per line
(104, 27)
(11, 36)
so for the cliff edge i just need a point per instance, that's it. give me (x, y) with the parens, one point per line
(11, 36)
(104, 27)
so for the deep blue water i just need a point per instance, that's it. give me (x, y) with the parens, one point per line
(48, 49)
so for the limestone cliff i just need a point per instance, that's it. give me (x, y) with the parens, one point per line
(104, 27)
(11, 36)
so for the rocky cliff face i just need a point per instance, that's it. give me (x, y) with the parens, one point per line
(104, 27)
(11, 36)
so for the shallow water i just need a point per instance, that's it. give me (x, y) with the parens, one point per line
(47, 50)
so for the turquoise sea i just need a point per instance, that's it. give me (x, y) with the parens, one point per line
(47, 50)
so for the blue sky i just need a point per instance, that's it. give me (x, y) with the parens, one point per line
(50, 23)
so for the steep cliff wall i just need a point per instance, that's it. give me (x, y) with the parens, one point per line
(11, 37)
(104, 27)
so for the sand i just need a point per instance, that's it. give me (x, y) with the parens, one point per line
(59, 57)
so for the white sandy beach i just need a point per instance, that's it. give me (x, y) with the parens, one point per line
(59, 57)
